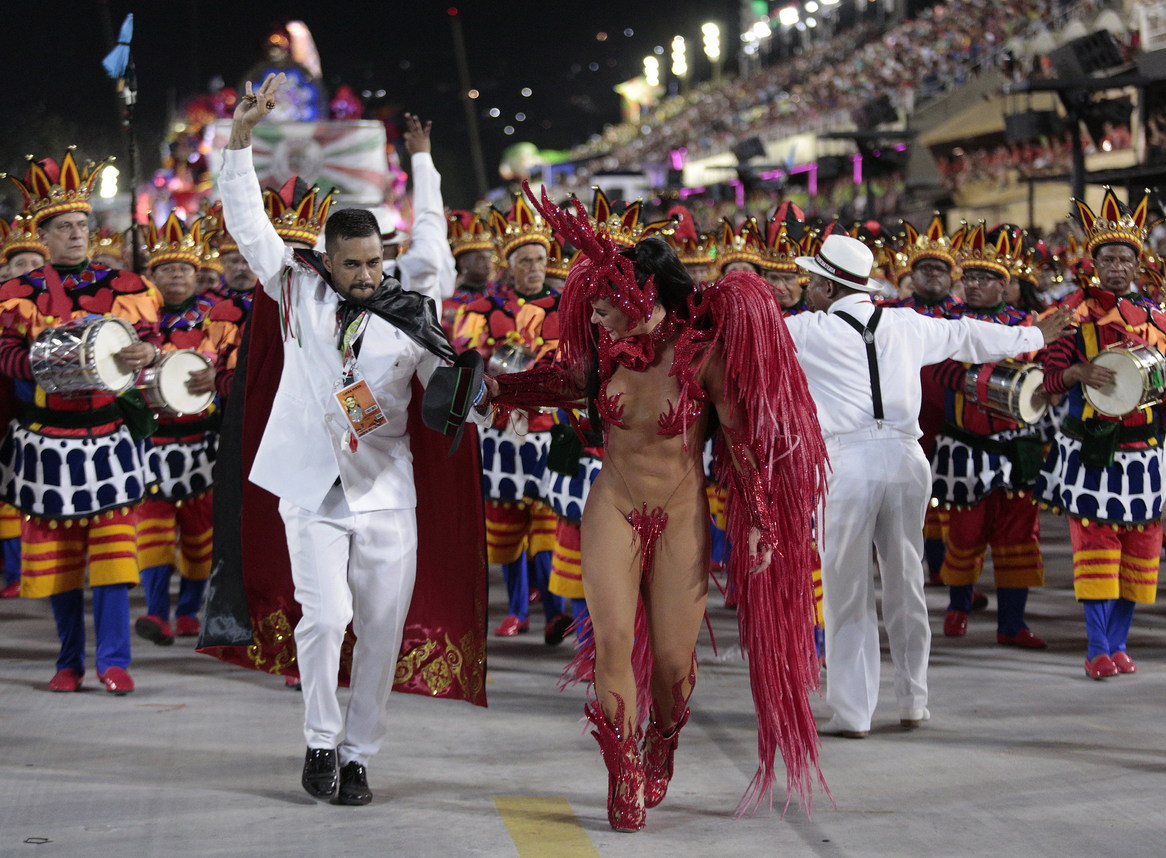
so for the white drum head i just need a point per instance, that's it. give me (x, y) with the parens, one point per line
(173, 375)
(110, 337)
(1031, 410)
(1122, 395)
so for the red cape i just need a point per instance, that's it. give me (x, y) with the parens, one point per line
(443, 653)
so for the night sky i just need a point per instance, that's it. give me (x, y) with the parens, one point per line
(57, 89)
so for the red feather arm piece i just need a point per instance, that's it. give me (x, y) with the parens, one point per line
(772, 464)
(548, 386)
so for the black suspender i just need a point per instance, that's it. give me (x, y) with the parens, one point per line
(872, 361)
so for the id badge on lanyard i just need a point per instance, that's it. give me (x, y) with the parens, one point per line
(353, 394)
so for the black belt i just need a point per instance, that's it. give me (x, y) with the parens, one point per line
(1025, 452)
(29, 413)
(1080, 430)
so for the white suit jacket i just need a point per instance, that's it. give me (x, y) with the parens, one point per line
(303, 451)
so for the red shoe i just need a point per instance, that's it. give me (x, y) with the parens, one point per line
(955, 624)
(979, 601)
(187, 627)
(1123, 662)
(512, 626)
(12, 591)
(67, 679)
(1100, 666)
(117, 681)
(291, 681)
(154, 628)
(1024, 639)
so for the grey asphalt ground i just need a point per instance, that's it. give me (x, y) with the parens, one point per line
(1024, 756)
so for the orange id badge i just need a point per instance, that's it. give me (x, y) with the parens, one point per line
(361, 408)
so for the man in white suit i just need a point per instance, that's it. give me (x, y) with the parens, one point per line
(345, 485)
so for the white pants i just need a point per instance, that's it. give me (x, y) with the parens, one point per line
(357, 567)
(877, 493)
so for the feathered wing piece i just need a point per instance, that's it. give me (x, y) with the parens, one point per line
(772, 464)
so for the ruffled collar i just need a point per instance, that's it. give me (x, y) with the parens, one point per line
(638, 352)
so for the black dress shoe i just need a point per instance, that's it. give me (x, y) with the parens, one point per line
(353, 785)
(320, 772)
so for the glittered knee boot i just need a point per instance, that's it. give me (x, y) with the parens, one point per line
(659, 749)
(625, 768)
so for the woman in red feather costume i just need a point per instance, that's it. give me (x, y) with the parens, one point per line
(661, 365)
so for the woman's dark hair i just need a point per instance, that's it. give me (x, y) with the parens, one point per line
(653, 256)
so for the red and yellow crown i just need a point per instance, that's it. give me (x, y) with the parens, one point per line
(294, 211)
(744, 244)
(467, 232)
(172, 243)
(20, 237)
(932, 244)
(214, 231)
(106, 242)
(1115, 223)
(50, 189)
(692, 246)
(521, 226)
(558, 265)
(624, 227)
(977, 252)
(781, 249)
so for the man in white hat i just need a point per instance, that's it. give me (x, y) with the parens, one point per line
(862, 363)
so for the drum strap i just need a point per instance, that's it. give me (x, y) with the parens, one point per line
(872, 361)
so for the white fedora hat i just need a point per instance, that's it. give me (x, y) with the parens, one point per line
(844, 260)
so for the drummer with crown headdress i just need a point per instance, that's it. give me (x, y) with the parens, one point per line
(176, 526)
(1105, 467)
(988, 455)
(73, 464)
(515, 328)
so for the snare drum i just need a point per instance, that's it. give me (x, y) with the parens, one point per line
(1009, 390)
(164, 384)
(1139, 380)
(79, 356)
(510, 357)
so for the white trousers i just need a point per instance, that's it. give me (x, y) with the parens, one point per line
(357, 567)
(877, 494)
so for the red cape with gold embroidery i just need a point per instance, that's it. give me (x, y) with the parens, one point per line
(443, 653)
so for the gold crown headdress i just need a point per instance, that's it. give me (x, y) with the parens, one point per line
(294, 212)
(932, 244)
(781, 248)
(172, 243)
(520, 227)
(625, 227)
(50, 189)
(467, 232)
(978, 252)
(20, 237)
(692, 246)
(741, 245)
(106, 242)
(1115, 223)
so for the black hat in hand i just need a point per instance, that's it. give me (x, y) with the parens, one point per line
(450, 395)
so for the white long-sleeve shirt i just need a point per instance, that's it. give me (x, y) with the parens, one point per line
(833, 356)
(427, 266)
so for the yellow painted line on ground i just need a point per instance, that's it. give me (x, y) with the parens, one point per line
(544, 827)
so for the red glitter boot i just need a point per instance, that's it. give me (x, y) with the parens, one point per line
(625, 769)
